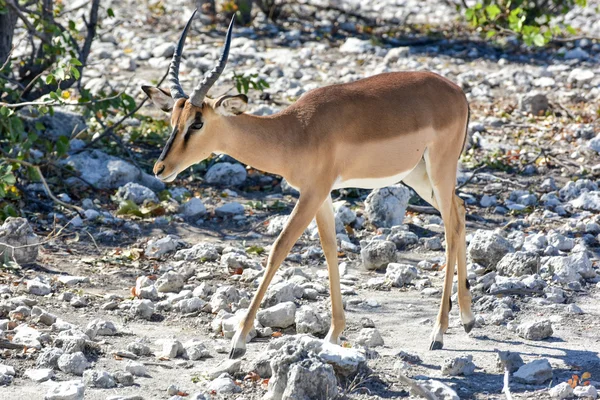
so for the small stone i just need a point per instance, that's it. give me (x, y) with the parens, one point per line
(230, 209)
(280, 315)
(535, 330)
(171, 348)
(99, 379)
(224, 385)
(38, 288)
(377, 254)
(458, 366)
(561, 391)
(356, 46)
(534, 372)
(136, 368)
(488, 248)
(102, 328)
(518, 264)
(170, 281)
(370, 337)
(39, 375)
(68, 390)
(534, 102)
(142, 308)
(162, 246)
(195, 349)
(310, 321)
(48, 358)
(586, 392)
(508, 359)
(226, 366)
(386, 207)
(192, 208)
(136, 193)
(400, 274)
(226, 174)
(124, 378)
(74, 363)
(163, 50)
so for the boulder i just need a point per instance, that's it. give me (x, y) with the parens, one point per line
(377, 254)
(518, 264)
(108, 172)
(386, 207)
(488, 248)
(226, 174)
(534, 372)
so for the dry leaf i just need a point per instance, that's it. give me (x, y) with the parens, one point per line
(586, 375)
(276, 334)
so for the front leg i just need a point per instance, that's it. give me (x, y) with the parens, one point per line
(326, 225)
(304, 211)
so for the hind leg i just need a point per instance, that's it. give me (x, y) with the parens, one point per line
(464, 292)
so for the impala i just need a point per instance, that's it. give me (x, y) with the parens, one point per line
(378, 131)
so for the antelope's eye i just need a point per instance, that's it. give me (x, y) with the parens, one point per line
(197, 125)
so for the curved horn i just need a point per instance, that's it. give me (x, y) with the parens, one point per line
(197, 96)
(173, 78)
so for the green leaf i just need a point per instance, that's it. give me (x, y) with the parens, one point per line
(62, 146)
(490, 34)
(76, 62)
(72, 25)
(75, 72)
(539, 40)
(110, 12)
(492, 11)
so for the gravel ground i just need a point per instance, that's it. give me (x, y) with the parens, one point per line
(529, 178)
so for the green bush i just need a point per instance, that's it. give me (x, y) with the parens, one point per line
(530, 20)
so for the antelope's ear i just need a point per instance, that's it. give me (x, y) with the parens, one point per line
(231, 105)
(160, 97)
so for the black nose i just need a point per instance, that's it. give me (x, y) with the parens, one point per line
(162, 168)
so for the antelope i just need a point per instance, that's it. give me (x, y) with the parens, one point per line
(394, 127)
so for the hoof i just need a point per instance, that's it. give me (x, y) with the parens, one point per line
(469, 326)
(236, 352)
(436, 345)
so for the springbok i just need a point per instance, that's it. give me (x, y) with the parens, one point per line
(372, 133)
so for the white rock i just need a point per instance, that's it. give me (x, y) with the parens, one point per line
(142, 308)
(164, 50)
(561, 391)
(109, 172)
(226, 366)
(458, 366)
(224, 385)
(135, 192)
(195, 349)
(193, 207)
(229, 209)
(38, 288)
(226, 174)
(162, 246)
(136, 368)
(400, 274)
(370, 337)
(580, 75)
(7, 370)
(356, 46)
(39, 375)
(487, 248)
(280, 315)
(534, 372)
(386, 207)
(170, 281)
(377, 254)
(588, 392)
(27, 336)
(74, 363)
(310, 321)
(68, 390)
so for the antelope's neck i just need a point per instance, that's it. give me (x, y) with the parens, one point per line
(257, 141)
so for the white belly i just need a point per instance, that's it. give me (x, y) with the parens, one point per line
(370, 183)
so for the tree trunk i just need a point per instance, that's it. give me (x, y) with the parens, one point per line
(8, 20)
